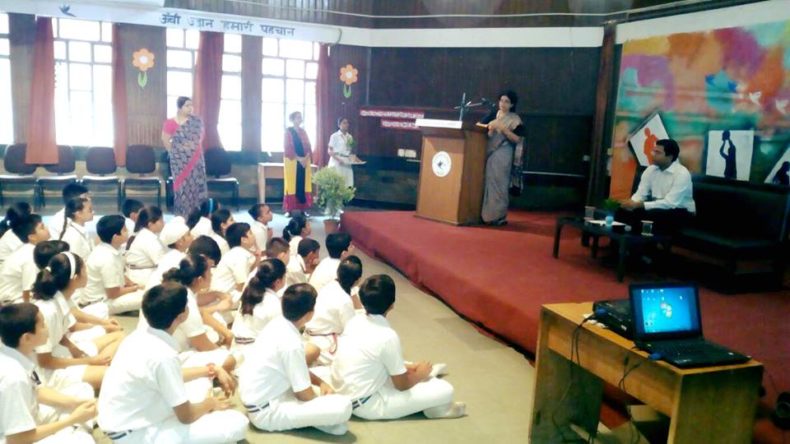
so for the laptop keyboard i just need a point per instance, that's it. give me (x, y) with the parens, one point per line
(697, 354)
(695, 348)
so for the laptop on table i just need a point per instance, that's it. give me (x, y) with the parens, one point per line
(667, 322)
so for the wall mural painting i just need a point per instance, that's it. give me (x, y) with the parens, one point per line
(143, 59)
(348, 75)
(735, 79)
(780, 174)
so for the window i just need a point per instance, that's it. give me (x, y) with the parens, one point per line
(83, 82)
(6, 123)
(289, 72)
(229, 125)
(182, 48)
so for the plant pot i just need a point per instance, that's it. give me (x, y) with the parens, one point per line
(331, 225)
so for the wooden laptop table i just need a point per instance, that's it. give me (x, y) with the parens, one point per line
(706, 405)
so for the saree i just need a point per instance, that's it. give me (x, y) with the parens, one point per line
(504, 166)
(298, 186)
(187, 165)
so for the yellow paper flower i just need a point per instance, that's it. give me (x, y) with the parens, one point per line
(143, 59)
(348, 74)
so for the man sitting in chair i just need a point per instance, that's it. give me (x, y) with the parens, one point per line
(664, 195)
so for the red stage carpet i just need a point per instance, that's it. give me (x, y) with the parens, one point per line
(500, 277)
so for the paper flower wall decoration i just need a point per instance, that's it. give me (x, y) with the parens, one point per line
(143, 59)
(348, 75)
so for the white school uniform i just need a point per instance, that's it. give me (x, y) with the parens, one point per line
(171, 259)
(368, 355)
(202, 227)
(17, 274)
(19, 407)
(80, 242)
(295, 272)
(333, 309)
(261, 233)
(233, 269)
(247, 327)
(341, 147)
(324, 273)
(143, 255)
(223, 244)
(56, 223)
(293, 246)
(143, 385)
(8, 244)
(272, 372)
(106, 268)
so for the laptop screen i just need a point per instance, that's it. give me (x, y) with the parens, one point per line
(665, 311)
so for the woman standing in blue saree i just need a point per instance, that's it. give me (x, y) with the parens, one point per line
(504, 154)
(181, 136)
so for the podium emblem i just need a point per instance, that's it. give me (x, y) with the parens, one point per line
(441, 163)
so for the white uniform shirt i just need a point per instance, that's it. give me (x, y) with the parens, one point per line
(57, 315)
(17, 274)
(171, 259)
(56, 223)
(8, 244)
(295, 272)
(341, 146)
(80, 242)
(261, 233)
(106, 268)
(143, 383)
(275, 364)
(368, 354)
(146, 250)
(293, 245)
(193, 326)
(333, 309)
(202, 227)
(233, 269)
(324, 273)
(18, 403)
(223, 244)
(249, 326)
(667, 189)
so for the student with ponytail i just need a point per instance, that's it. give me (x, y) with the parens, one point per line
(199, 221)
(9, 242)
(75, 351)
(144, 250)
(78, 211)
(297, 229)
(252, 314)
(220, 221)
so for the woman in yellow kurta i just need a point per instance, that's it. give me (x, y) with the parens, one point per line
(296, 161)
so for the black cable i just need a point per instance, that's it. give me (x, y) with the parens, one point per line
(776, 391)
(632, 437)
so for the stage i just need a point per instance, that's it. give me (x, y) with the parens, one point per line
(499, 277)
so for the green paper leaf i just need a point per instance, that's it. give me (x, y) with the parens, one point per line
(142, 79)
(347, 91)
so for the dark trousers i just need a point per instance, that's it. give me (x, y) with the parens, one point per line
(666, 222)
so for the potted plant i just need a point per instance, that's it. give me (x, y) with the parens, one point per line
(610, 206)
(332, 195)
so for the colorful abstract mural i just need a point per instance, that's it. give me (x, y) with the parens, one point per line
(732, 78)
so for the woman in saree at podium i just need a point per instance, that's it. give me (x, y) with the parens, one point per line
(181, 136)
(504, 156)
(297, 158)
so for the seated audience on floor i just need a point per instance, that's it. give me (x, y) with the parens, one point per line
(664, 195)
(145, 398)
(144, 249)
(234, 268)
(109, 291)
(297, 229)
(369, 366)
(301, 266)
(9, 242)
(79, 346)
(261, 215)
(77, 213)
(176, 238)
(278, 248)
(199, 221)
(334, 308)
(131, 209)
(18, 272)
(70, 191)
(338, 246)
(275, 385)
(260, 302)
(29, 411)
(220, 220)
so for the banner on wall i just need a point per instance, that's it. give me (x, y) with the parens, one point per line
(176, 18)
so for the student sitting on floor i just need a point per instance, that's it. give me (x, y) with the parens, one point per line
(199, 221)
(109, 291)
(274, 383)
(194, 273)
(297, 229)
(334, 308)
(30, 412)
(77, 213)
(303, 264)
(144, 250)
(69, 192)
(338, 245)
(252, 314)
(278, 248)
(18, 272)
(131, 210)
(9, 242)
(261, 216)
(144, 398)
(235, 266)
(369, 365)
(177, 238)
(75, 351)
(220, 220)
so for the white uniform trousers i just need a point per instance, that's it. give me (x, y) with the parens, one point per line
(287, 412)
(216, 427)
(128, 302)
(434, 397)
(69, 435)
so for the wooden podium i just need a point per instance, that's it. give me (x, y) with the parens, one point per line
(452, 171)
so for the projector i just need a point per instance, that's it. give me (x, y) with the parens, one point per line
(615, 314)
